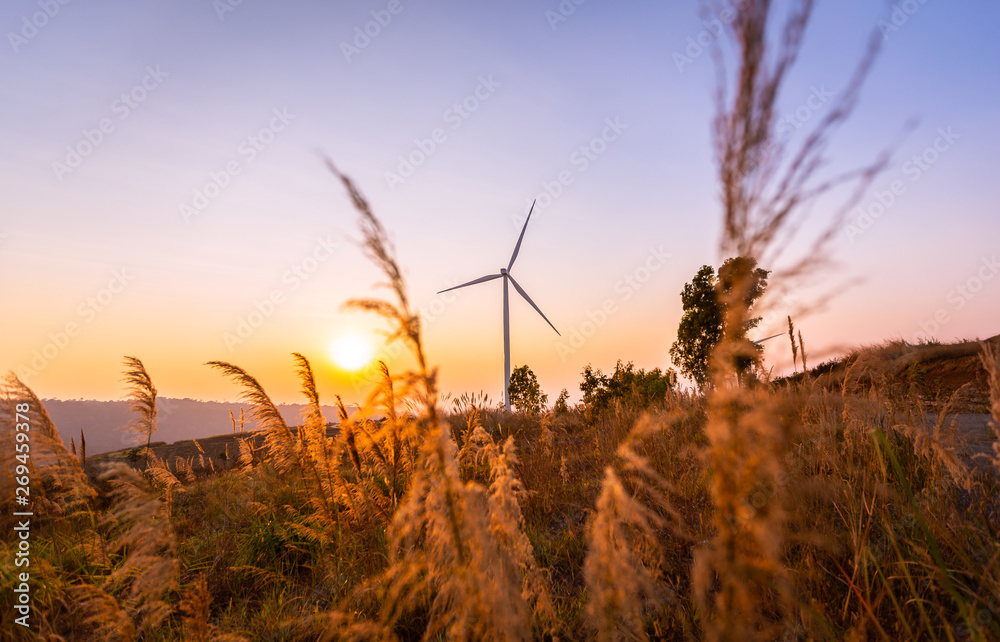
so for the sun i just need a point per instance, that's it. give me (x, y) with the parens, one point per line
(351, 351)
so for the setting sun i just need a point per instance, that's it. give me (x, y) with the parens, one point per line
(351, 351)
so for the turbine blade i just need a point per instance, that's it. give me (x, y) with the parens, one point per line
(528, 299)
(758, 341)
(481, 279)
(517, 248)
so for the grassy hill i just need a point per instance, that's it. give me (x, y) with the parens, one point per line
(934, 372)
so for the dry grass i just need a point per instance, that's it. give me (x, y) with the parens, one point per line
(758, 511)
(142, 400)
(810, 516)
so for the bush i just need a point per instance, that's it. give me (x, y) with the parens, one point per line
(524, 392)
(638, 388)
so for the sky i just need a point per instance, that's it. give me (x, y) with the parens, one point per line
(163, 193)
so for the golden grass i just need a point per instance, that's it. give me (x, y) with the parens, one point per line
(755, 512)
(791, 512)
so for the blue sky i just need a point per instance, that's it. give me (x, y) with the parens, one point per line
(248, 96)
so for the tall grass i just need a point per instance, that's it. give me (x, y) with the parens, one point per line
(756, 511)
(142, 400)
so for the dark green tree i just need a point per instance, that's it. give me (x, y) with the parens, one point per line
(701, 327)
(561, 407)
(524, 392)
(638, 388)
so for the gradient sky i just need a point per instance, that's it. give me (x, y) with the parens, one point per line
(102, 241)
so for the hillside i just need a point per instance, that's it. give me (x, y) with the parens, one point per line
(935, 372)
(178, 419)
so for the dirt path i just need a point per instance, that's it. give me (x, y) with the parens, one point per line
(975, 437)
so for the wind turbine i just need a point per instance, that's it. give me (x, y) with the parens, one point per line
(506, 275)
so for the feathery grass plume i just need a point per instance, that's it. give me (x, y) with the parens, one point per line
(72, 447)
(142, 400)
(748, 447)
(204, 457)
(546, 436)
(160, 475)
(196, 609)
(318, 453)
(281, 445)
(100, 614)
(507, 525)
(765, 194)
(348, 435)
(990, 358)
(939, 445)
(196, 615)
(765, 183)
(619, 582)
(351, 487)
(795, 348)
(149, 569)
(59, 483)
(475, 443)
(232, 419)
(390, 446)
(406, 323)
(802, 353)
(245, 458)
(624, 566)
(444, 553)
(83, 448)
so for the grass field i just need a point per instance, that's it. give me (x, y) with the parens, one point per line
(823, 506)
(839, 504)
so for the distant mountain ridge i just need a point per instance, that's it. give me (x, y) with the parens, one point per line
(102, 421)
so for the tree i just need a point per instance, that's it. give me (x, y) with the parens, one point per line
(524, 392)
(639, 388)
(561, 407)
(703, 323)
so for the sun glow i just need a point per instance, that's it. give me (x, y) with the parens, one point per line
(351, 351)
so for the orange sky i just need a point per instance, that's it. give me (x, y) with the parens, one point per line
(199, 202)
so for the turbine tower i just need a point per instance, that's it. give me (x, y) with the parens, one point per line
(505, 274)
